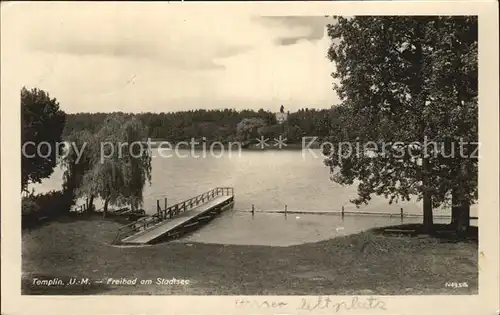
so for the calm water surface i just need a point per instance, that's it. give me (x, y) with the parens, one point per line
(269, 180)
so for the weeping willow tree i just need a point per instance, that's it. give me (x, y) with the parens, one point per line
(76, 162)
(120, 164)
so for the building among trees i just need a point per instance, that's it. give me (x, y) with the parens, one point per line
(281, 117)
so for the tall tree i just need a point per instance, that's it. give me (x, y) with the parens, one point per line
(78, 160)
(42, 124)
(455, 77)
(393, 74)
(121, 163)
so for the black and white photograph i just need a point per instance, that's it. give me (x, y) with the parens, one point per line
(169, 152)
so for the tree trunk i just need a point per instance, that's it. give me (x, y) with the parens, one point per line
(460, 214)
(455, 213)
(460, 211)
(69, 191)
(427, 197)
(105, 208)
(455, 208)
(90, 203)
(428, 218)
(463, 222)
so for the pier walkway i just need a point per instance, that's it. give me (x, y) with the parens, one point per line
(174, 221)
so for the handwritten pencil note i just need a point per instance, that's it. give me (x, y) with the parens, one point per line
(355, 303)
(313, 304)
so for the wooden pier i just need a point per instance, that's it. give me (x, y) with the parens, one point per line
(174, 221)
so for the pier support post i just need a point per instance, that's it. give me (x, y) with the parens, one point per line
(342, 212)
(253, 210)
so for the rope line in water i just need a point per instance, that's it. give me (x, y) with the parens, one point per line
(393, 214)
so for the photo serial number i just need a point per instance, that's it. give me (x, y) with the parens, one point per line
(456, 285)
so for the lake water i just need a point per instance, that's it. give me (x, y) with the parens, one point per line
(269, 180)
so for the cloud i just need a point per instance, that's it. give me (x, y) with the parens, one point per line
(173, 40)
(136, 49)
(148, 57)
(298, 75)
(285, 41)
(311, 28)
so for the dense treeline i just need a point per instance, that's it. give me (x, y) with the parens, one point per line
(214, 125)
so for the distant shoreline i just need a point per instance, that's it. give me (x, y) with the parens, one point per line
(227, 145)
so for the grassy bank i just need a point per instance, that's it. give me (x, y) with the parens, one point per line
(366, 263)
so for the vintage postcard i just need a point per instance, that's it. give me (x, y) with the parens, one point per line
(250, 157)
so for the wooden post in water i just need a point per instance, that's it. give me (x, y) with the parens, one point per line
(165, 209)
(342, 212)
(401, 214)
(285, 211)
(253, 210)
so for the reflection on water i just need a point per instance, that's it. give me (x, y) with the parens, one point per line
(269, 180)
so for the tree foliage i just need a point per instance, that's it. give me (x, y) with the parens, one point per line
(78, 160)
(406, 82)
(120, 163)
(42, 124)
(247, 129)
(213, 125)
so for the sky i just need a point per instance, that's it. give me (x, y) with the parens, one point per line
(149, 57)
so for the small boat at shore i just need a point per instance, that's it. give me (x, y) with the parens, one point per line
(131, 215)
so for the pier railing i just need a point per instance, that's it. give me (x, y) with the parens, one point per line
(170, 212)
